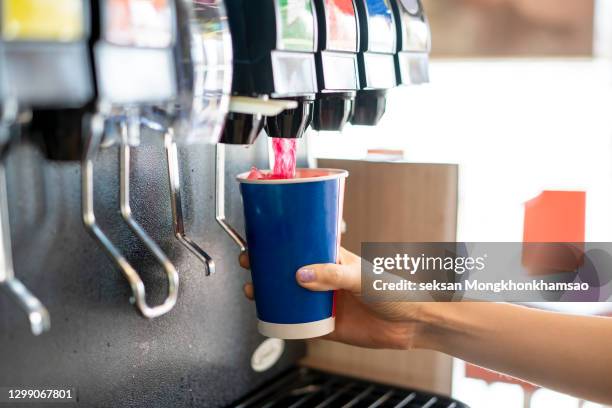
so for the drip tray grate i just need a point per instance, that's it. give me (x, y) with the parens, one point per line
(306, 388)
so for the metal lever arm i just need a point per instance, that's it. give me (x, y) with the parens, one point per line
(89, 219)
(177, 208)
(133, 126)
(252, 106)
(37, 313)
(220, 199)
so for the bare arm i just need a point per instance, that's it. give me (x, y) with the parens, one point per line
(571, 354)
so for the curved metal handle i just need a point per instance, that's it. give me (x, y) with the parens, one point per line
(177, 207)
(220, 199)
(38, 315)
(96, 129)
(132, 132)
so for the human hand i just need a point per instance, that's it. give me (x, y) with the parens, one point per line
(391, 325)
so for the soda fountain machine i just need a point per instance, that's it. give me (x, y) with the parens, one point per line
(376, 60)
(44, 66)
(280, 64)
(207, 352)
(275, 80)
(336, 61)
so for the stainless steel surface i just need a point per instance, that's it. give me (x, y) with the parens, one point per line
(177, 205)
(199, 354)
(96, 133)
(306, 388)
(220, 199)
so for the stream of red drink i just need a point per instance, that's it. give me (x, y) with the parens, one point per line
(284, 161)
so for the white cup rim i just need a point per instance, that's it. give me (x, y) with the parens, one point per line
(332, 174)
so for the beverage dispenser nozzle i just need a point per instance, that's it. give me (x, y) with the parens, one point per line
(376, 60)
(336, 61)
(246, 107)
(274, 43)
(274, 81)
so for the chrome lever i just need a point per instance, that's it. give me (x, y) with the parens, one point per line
(176, 203)
(220, 199)
(128, 133)
(96, 130)
(38, 315)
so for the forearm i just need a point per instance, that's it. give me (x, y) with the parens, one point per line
(571, 354)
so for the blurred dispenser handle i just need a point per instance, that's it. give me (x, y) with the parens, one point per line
(37, 313)
(249, 106)
(176, 202)
(96, 129)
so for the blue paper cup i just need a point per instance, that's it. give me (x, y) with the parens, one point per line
(289, 224)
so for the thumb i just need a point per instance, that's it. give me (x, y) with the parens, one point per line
(325, 277)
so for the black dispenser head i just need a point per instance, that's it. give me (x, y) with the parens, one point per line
(376, 60)
(413, 42)
(274, 42)
(336, 60)
(333, 111)
(242, 128)
(370, 106)
(291, 123)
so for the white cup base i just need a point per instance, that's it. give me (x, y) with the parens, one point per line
(297, 331)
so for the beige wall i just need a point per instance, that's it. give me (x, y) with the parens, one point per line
(476, 28)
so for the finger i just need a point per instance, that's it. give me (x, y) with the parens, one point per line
(330, 277)
(244, 260)
(248, 291)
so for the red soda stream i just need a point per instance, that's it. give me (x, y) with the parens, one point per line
(285, 150)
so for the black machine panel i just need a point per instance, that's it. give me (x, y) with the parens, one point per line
(376, 60)
(274, 46)
(336, 60)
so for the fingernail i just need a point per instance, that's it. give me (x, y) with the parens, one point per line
(306, 275)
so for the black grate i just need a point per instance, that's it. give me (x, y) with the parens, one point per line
(306, 388)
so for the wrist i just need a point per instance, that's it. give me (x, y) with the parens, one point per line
(440, 325)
